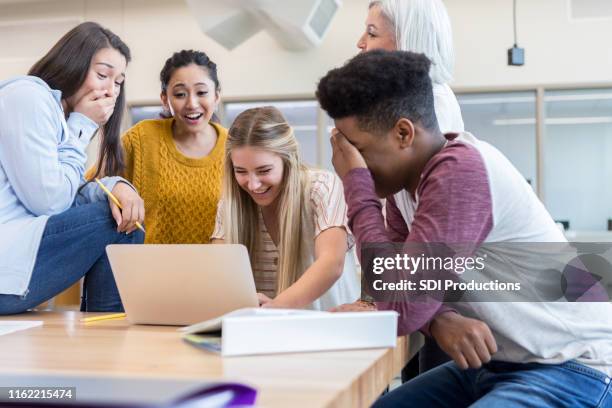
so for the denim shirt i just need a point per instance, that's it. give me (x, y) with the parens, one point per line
(42, 162)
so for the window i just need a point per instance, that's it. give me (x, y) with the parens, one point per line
(301, 115)
(577, 153)
(575, 138)
(139, 113)
(507, 121)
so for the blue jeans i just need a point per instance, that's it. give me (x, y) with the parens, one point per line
(500, 384)
(74, 245)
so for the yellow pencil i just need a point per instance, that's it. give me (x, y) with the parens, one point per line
(104, 317)
(114, 200)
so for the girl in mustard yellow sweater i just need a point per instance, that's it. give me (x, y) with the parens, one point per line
(177, 163)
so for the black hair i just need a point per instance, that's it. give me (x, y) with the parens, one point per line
(378, 88)
(65, 68)
(182, 59)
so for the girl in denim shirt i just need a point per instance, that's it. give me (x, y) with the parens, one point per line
(53, 228)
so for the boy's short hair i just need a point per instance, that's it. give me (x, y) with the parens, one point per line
(378, 88)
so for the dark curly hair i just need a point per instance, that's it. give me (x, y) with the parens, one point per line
(182, 59)
(378, 88)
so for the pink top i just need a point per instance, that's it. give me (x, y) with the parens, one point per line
(329, 210)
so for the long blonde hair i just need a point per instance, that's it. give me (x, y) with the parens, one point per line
(266, 128)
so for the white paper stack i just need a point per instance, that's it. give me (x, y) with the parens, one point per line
(10, 326)
(268, 331)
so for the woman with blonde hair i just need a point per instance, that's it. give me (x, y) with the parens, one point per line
(291, 218)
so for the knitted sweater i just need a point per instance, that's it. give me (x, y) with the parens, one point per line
(180, 193)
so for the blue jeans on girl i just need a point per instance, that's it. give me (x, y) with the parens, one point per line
(73, 245)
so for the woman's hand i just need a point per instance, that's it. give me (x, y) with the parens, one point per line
(97, 106)
(133, 208)
(330, 254)
(358, 306)
(264, 301)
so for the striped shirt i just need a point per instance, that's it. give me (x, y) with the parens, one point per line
(329, 210)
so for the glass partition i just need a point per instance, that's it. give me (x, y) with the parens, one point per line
(576, 162)
(138, 113)
(507, 120)
(301, 115)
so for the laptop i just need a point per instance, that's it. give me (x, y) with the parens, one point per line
(181, 284)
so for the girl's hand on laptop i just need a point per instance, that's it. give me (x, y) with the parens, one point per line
(133, 208)
(358, 306)
(264, 301)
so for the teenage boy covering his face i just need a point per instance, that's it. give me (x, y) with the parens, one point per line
(387, 139)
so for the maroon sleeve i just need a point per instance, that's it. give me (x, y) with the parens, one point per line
(455, 203)
(454, 207)
(396, 225)
(364, 207)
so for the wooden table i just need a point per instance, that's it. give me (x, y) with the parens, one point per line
(66, 345)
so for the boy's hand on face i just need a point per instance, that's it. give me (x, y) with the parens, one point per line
(345, 156)
(469, 342)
